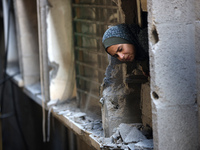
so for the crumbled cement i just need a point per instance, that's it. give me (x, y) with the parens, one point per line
(131, 146)
(134, 136)
(144, 145)
(116, 137)
(124, 137)
(130, 132)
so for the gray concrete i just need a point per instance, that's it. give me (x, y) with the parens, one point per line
(118, 95)
(144, 145)
(173, 74)
(197, 46)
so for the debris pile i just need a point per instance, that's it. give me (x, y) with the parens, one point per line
(129, 137)
(126, 136)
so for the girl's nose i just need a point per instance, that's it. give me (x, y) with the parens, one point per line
(121, 56)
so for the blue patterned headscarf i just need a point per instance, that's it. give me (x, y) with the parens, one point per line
(128, 34)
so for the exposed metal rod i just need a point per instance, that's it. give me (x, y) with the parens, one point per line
(92, 21)
(90, 66)
(94, 6)
(88, 35)
(89, 80)
(91, 50)
(87, 93)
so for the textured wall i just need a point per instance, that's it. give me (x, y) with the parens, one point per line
(197, 43)
(121, 95)
(173, 74)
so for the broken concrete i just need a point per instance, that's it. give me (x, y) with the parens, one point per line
(130, 133)
(125, 135)
(120, 90)
(144, 145)
(134, 136)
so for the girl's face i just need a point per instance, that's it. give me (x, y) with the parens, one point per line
(123, 52)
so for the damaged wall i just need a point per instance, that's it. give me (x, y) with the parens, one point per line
(173, 74)
(120, 100)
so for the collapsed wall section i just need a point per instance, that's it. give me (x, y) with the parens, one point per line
(120, 100)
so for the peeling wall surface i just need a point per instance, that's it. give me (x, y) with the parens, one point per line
(173, 74)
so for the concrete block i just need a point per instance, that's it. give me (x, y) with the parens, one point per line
(130, 133)
(173, 65)
(175, 127)
(131, 146)
(134, 136)
(173, 11)
(144, 145)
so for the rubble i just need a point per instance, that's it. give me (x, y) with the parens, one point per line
(131, 146)
(124, 137)
(130, 133)
(134, 136)
(144, 145)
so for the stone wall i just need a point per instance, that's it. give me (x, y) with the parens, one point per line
(173, 74)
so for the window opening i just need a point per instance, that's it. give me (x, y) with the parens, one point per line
(90, 20)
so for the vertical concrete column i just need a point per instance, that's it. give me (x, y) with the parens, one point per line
(173, 74)
(197, 43)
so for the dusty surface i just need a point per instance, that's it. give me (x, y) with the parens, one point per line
(125, 136)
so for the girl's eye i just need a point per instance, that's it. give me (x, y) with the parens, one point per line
(120, 49)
